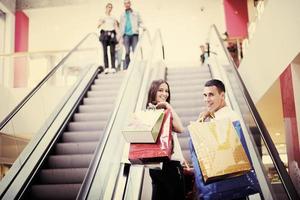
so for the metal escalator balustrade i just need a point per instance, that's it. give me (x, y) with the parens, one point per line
(65, 168)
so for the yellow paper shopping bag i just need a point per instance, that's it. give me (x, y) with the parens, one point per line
(143, 126)
(218, 149)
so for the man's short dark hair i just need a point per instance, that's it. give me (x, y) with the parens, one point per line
(215, 82)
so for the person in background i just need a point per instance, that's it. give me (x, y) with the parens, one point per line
(202, 55)
(167, 183)
(205, 51)
(130, 23)
(108, 37)
(119, 48)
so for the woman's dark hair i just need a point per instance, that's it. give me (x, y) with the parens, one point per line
(153, 90)
(215, 82)
(108, 4)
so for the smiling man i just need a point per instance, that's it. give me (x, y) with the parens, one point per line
(214, 98)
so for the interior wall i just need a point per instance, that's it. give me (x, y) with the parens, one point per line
(21, 45)
(9, 29)
(184, 24)
(236, 17)
(271, 111)
(274, 45)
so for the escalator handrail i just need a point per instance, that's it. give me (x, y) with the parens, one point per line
(284, 176)
(147, 78)
(40, 84)
(85, 188)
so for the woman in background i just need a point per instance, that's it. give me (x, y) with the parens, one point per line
(108, 37)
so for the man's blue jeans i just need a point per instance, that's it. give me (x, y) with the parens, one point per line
(129, 41)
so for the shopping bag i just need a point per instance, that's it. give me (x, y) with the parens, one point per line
(143, 126)
(219, 150)
(229, 188)
(141, 153)
(225, 189)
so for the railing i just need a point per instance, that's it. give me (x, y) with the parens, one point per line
(34, 114)
(255, 126)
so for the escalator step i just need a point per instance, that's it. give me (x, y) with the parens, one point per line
(95, 108)
(102, 94)
(115, 76)
(98, 101)
(69, 161)
(186, 82)
(188, 76)
(87, 126)
(82, 136)
(191, 88)
(197, 103)
(62, 176)
(57, 192)
(75, 148)
(91, 117)
(187, 95)
(182, 112)
(183, 70)
(106, 86)
(187, 119)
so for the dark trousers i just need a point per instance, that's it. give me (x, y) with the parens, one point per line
(168, 183)
(105, 44)
(129, 41)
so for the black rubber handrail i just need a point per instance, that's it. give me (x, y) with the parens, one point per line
(39, 85)
(279, 165)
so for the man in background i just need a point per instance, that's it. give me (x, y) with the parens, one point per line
(130, 23)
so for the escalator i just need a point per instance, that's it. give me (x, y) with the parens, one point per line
(64, 169)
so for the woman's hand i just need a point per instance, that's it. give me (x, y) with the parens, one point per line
(164, 105)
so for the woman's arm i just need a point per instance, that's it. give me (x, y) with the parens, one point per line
(177, 124)
(100, 22)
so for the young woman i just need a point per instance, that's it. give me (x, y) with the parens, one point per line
(108, 37)
(167, 183)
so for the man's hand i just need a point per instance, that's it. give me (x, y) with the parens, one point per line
(204, 115)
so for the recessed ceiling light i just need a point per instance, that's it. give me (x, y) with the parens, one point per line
(277, 134)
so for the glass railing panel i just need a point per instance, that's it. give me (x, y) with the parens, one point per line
(37, 113)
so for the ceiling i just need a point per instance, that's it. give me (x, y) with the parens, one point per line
(30, 4)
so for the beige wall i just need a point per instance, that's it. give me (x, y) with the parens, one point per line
(275, 44)
(184, 26)
(270, 109)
